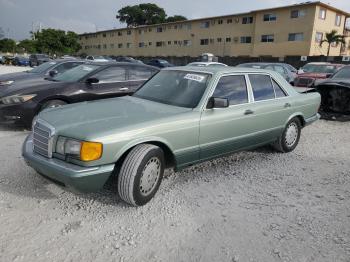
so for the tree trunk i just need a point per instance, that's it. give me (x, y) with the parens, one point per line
(329, 49)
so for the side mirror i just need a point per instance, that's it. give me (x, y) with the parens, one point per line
(52, 73)
(216, 102)
(92, 80)
(300, 71)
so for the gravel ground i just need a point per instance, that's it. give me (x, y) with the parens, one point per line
(252, 206)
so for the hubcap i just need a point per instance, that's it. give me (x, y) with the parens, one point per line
(150, 176)
(291, 134)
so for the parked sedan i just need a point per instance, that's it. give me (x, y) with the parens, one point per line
(180, 117)
(313, 72)
(206, 64)
(38, 59)
(44, 70)
(22, 101)
(335, 92)
(161, 63)
(21, 61)
(287, 71)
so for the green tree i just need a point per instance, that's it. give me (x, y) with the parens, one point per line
(54, 41)
(175, 18)
(7, 45)
(332, 37)
(145, 14)
(27, 45)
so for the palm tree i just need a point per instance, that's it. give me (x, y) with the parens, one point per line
(333, 37)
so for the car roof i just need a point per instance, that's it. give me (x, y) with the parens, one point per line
(263, 63)
(109, 63)
(217, 70)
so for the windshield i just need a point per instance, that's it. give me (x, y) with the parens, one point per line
(75, 74)
(325, 69)
(42, 68)
(343, 73)
(178, 88)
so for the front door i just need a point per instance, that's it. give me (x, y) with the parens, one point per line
(224, 130)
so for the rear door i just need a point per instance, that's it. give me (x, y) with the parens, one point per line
(270, 107)
(112, 82)
(137, 75)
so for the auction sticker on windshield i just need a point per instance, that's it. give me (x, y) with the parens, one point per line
(194, 77)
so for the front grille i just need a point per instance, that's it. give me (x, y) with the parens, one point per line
(305, 81)
(42, 139)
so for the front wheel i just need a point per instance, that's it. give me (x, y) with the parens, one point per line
(141, 174)
(289, 139)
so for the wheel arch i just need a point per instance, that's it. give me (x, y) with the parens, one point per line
(47, 99)
(298, 115)
(169, 156)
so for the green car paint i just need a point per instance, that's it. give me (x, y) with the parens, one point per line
(190, 135)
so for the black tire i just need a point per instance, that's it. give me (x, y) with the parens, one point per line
(290, 137)
(142, 160)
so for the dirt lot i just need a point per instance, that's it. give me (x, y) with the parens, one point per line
(252, 206)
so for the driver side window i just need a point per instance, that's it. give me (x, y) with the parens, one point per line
(234, 88)
(111, 74)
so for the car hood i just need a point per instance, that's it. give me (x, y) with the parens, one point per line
(95, 119)
(22, 86)
(17, 76)
(313, 75)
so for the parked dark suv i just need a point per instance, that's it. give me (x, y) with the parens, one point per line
(22, 101)
(38, 59)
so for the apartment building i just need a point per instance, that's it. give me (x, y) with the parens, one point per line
(283, 31)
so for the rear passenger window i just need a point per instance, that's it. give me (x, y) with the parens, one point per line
(140, 73)
(233, 88)
(278, 90)
(111, 74)
(262, 87)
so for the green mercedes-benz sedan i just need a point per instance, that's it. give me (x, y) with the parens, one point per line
(180, 117)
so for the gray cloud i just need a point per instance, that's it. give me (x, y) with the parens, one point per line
(17, 16)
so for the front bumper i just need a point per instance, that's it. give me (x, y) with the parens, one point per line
(21, 114)
(84, 179)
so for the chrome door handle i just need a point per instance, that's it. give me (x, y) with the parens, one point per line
(287, 105)
(124, 89)
(249, 112)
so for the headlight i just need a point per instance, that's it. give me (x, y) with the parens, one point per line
(82, 150)
(17, 99)
(4, 83)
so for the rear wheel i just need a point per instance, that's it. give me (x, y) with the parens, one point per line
(141, 174)
(289, 139)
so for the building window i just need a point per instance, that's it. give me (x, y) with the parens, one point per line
(159, 29)
(220, 22)
(120, 33)
(104, 35)
(128, 32)
(267, 38)
(142, 44)
(188, 26)
(169, 42)
(228, 39)
(211, 40)
(149, 29)
(187, 42)
(338, 20)
(149, 43)
(104, 46)
(229, 21)
(296, 37)
(205, 24)
(128, 45)
(270, 17)
(175, 42)
(111, 34)
(204, 42)
(247, 20)
(322, 14)
(246, 39)
(219, 40)
(297, 13)
(159, 44)
(318, 37)
(180, 26)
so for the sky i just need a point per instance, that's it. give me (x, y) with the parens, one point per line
(17, 17)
